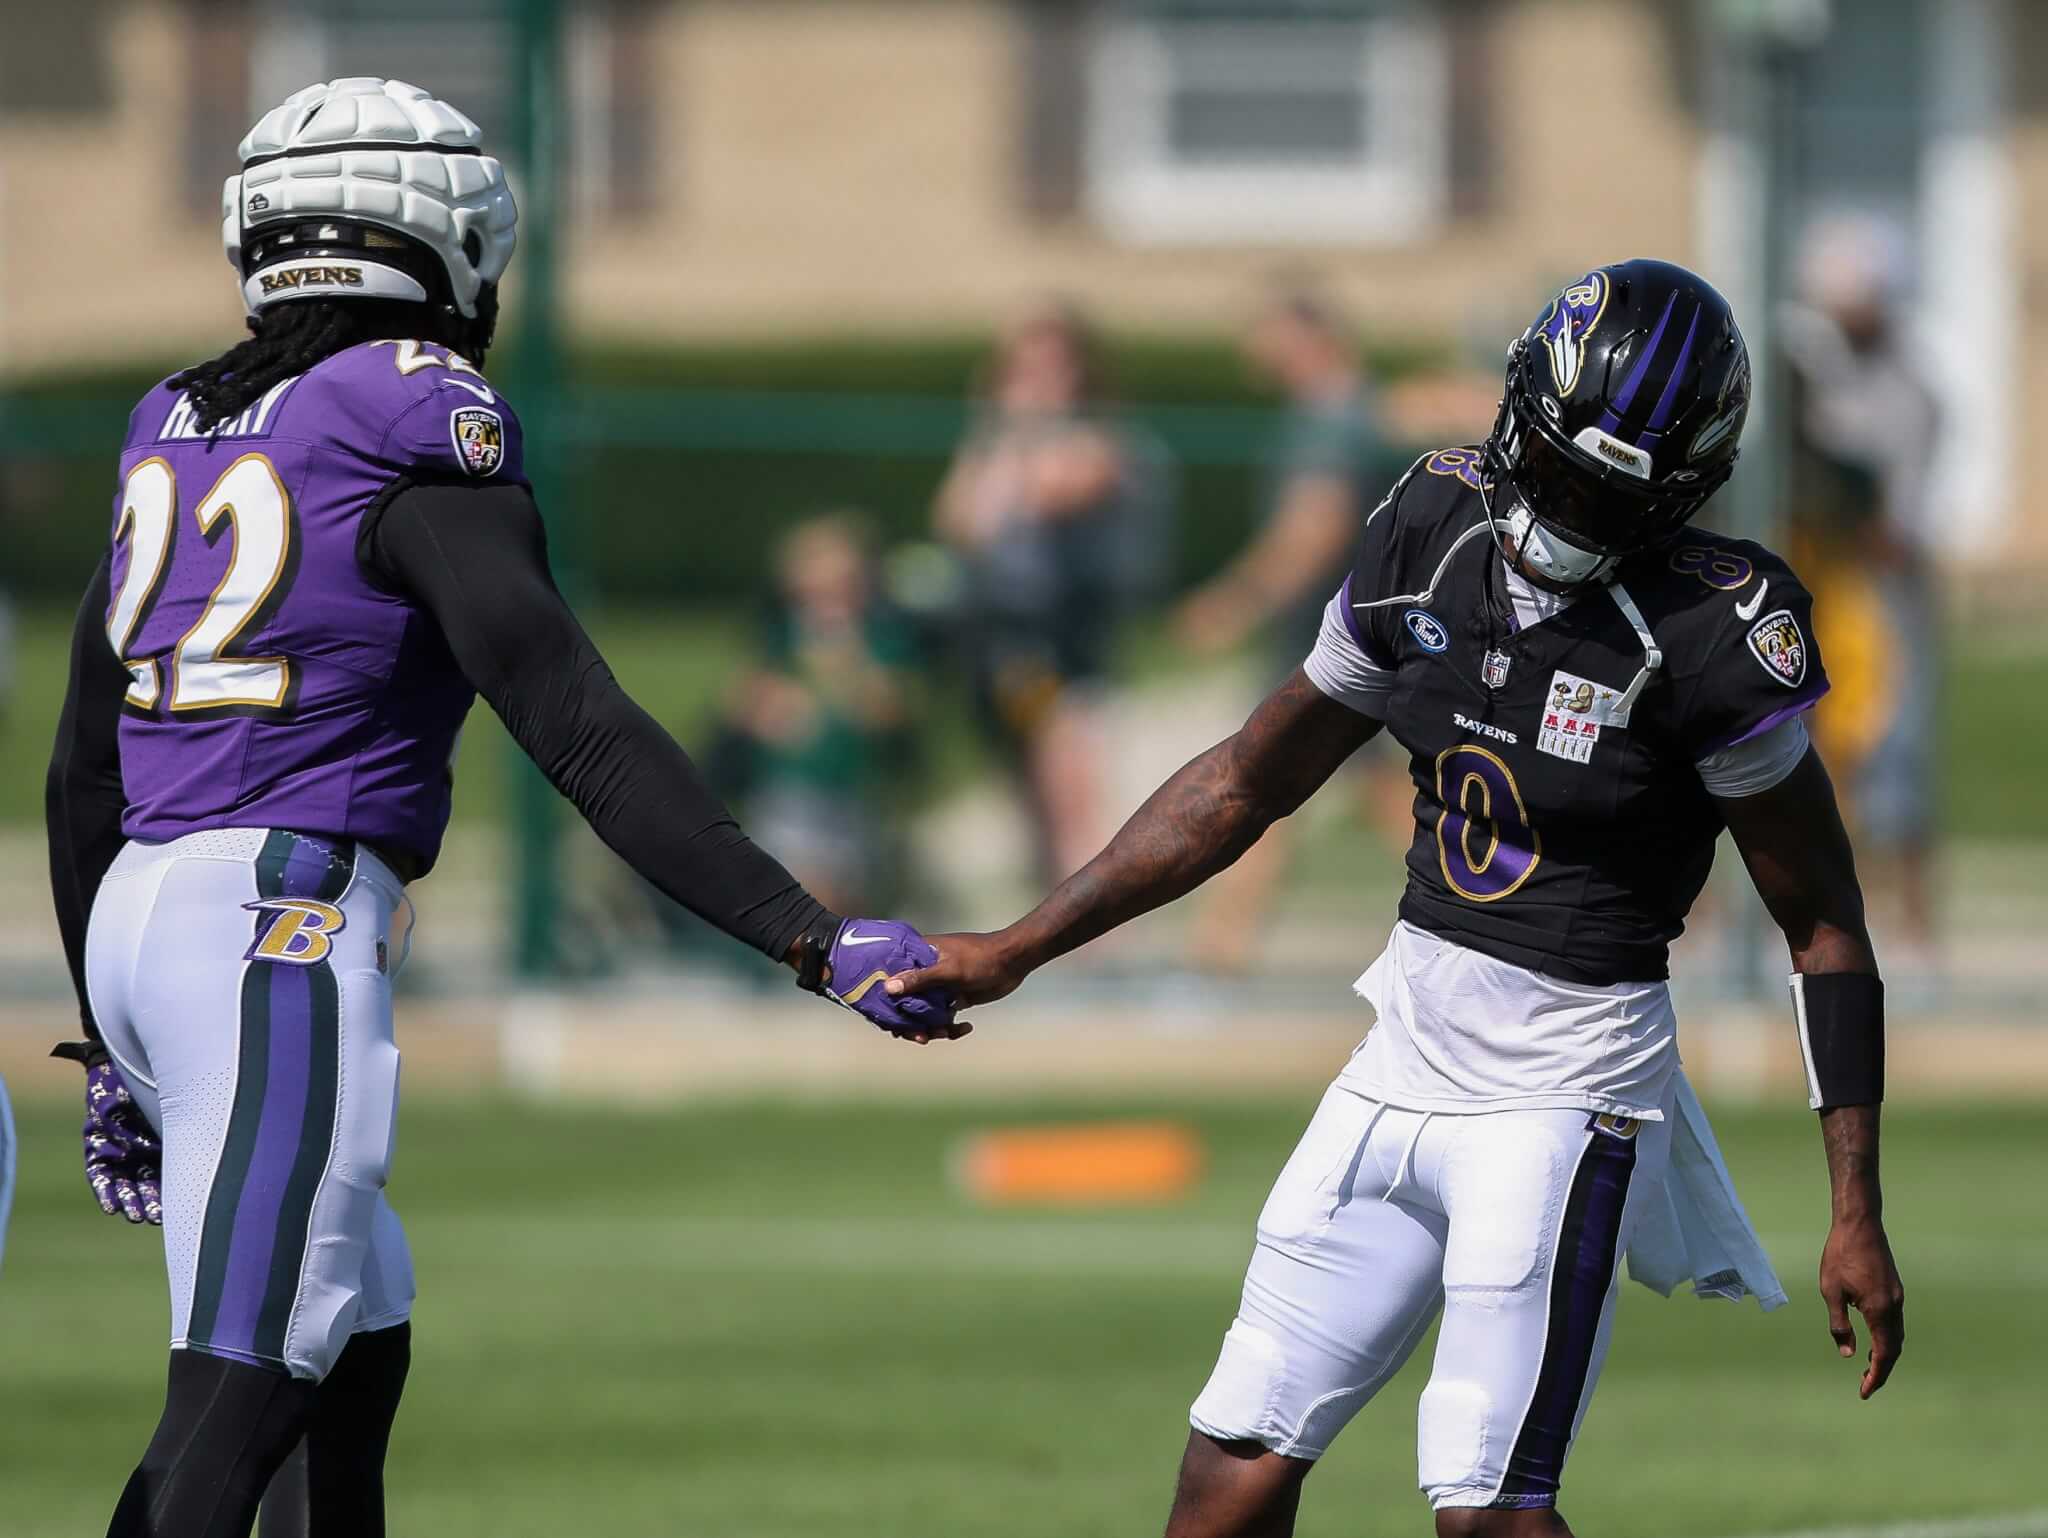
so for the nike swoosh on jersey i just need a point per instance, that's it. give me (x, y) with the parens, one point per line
(481, 392)
(1747, 611)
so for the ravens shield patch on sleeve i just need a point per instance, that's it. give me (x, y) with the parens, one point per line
(1776, 642)
(479, 435)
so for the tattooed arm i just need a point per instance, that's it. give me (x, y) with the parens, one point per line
(1791, 838)
(1193, 826)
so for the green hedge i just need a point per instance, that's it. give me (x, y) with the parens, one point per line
(677, 465)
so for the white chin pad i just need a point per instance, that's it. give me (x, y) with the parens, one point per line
(1552, 558)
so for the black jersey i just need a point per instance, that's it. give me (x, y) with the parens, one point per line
(1560, 820)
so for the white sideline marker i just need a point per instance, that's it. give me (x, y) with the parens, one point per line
(2014, 1524)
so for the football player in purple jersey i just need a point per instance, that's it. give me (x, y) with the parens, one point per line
(323, 548)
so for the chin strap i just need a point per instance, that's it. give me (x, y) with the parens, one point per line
(1653, 658)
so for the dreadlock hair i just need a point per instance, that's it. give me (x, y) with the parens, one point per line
(288, 338)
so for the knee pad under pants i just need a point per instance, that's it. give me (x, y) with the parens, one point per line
(1511, 1224)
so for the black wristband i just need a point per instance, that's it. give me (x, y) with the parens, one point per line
(1840, 1016)
(87, 1054)
(814, 956)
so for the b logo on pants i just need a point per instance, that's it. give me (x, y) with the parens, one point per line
(298, 931)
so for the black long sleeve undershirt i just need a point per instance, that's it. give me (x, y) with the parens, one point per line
(475, 558)
(82, 796)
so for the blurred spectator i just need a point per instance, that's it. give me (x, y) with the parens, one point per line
(1322, 480)
(1324, 476)
(820, 720)
(1864, 427)
(1045, 503)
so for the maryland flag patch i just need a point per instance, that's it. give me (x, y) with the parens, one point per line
(479, 435)
(1776, 642)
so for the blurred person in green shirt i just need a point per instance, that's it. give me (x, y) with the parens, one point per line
(820, 718)
(1326, 472)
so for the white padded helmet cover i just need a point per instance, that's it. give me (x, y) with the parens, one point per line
(382, 152)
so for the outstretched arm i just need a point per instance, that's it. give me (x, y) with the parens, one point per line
(475, 557)
(1792, 840)
(1194, 825)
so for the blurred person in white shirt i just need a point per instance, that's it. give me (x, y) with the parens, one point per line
(1865, 425)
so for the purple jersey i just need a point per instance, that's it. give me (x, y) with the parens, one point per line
(275, 683)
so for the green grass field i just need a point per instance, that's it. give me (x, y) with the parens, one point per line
(777, 1321)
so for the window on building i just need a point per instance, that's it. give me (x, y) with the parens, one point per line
(55, 58)
(614, 96)
(1304, 123)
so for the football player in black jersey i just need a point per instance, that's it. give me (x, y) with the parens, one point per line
(1589, 690)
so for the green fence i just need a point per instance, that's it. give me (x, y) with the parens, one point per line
(666, 473)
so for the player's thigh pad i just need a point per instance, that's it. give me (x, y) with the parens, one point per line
(242, 976)
(1540, 1205)
(1342, 1283)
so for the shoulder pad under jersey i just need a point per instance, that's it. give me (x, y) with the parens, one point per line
(1736, 627)
(1410, 537)
(415, 408)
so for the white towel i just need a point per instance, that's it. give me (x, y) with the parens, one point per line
(1694, 1229)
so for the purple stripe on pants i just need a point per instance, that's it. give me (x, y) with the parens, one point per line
(306, 867)
(1588, 1250)
(281, 1128)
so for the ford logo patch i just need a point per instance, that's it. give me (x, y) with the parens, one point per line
(1427, 629)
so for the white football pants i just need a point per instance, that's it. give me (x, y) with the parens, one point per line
(241, 978)
(1510, 1223)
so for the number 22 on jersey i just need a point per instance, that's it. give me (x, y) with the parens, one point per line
(249, 503)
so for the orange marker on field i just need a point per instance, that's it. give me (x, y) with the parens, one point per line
(1101, 1162)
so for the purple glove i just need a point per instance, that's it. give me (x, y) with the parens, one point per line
(122, 1155)
(866, 953)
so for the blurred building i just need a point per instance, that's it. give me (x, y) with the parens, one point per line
(804, 167)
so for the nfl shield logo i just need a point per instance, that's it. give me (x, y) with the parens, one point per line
(1495, 670)
(479, 435)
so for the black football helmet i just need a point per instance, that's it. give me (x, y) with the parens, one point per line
(1622, 415)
